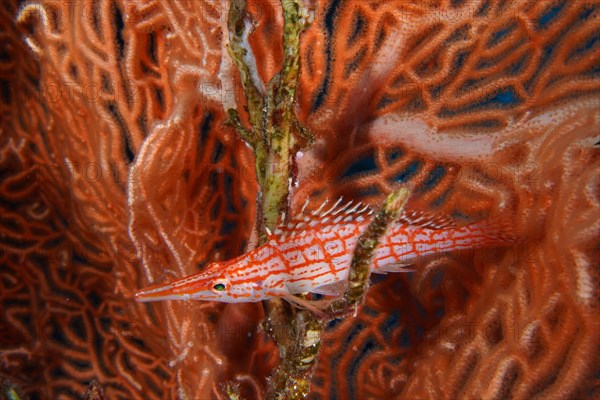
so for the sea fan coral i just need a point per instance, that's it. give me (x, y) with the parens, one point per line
(118, 169)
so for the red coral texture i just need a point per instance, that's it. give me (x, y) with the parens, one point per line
(117, 171)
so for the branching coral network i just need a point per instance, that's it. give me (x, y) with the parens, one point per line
(121, 165)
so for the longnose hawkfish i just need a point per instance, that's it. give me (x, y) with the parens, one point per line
(312, 253)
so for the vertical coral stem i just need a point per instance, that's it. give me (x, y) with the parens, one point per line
(360, 268)
(274, 129)
(292, 378)
(274, 133)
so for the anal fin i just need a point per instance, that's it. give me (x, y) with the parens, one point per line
(332, 289)
(394, 268)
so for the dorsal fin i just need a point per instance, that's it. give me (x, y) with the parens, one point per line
(428, 220)
(338, 213)
(342, 212)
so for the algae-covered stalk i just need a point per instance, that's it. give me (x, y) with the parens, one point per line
(292, 378)
(274, 130)
(273, 134)
(360, 269)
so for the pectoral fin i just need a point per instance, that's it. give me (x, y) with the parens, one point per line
(314, 306)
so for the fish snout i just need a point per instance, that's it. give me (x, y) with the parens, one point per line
(157, 293)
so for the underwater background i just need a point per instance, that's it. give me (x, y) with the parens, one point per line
(117, 169)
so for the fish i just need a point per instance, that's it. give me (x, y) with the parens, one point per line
(313, 253)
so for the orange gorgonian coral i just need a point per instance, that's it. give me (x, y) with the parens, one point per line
(117, 170)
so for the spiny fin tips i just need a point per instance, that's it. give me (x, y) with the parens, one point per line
(427, 220)
(323, 215)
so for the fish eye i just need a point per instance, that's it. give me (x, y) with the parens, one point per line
(220, 285)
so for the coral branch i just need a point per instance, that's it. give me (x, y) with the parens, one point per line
(10, 390)
(292, 378)
(360, 269)
(273, 124)
(239, 50)
(273, 134)
(94, 391)
(483, 107)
